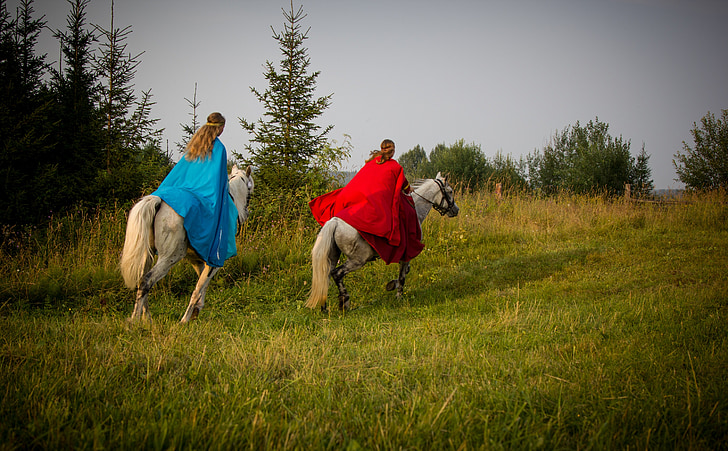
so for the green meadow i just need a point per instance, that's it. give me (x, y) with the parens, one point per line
(572, 322)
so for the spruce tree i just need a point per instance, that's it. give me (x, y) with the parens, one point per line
(133, 157)
(25, 135)
(78, 125)
(188, 130)
(286, 144)
(116, 95)
(642, 177)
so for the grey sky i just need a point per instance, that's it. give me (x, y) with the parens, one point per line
(503, 74)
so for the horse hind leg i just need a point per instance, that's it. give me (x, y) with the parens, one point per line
(338, 274)
(338, 277)
(158, 271)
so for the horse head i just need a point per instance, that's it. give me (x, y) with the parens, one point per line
(241, 189)
(438, 194)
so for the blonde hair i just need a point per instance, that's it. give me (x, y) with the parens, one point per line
(386, 151)
(200, 145)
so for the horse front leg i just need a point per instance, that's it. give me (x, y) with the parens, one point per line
(197, 301)
(404, 268)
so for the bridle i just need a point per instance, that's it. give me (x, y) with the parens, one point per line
(445, 205)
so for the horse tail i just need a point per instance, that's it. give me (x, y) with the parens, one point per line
(137, 254)
(321, 265)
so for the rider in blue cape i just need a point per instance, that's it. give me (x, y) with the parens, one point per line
(197, 189)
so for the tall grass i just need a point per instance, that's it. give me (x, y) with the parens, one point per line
(568, 322)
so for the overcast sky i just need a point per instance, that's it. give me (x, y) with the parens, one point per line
(503, 74)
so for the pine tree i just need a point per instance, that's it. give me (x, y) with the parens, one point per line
(285, 146)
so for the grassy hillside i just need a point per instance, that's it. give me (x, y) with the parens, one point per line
(526, 323)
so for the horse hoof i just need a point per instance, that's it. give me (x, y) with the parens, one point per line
(344, 302)
(193, 316)
(391, 285)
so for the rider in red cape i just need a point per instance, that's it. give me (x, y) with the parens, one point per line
(377, 204)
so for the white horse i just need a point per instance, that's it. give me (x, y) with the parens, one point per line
(337, 237)
(153, 225)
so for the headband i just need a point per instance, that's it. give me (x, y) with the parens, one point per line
(215, 124)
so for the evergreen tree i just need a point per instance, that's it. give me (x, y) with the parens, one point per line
(134, 161)
(150, 164)
(285, 147)
(78, 156)
(642, 177)
(12, 177)
(116, 95)
(188, 130)
(705, 164)
(24, 124)
(32, 66)
(143, 131)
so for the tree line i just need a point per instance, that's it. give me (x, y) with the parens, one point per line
(78, 134)
(580, 159)
(75, 134)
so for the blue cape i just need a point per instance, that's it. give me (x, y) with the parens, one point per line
(198, 191)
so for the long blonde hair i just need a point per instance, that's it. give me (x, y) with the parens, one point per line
(200, 145)
(386, 151)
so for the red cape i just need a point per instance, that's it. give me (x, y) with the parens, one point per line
(374, 204)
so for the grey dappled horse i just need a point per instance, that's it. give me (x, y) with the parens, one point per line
(337, 237)
(153, 225)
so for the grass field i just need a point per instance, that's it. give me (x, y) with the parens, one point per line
(527, 323)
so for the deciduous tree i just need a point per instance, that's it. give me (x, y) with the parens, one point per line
(583, 159)
(705, 164)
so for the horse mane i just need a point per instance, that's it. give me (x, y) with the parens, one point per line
(417, 183)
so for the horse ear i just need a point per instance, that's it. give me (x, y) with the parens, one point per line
(234, 168)
(439, 175)
(248, 171)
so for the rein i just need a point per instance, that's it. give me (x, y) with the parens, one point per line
(445, 205)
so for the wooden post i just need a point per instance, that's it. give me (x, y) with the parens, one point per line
(498, 191)
(627, 191)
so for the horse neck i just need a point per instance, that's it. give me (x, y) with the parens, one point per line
(425, 192)
(239, 194)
